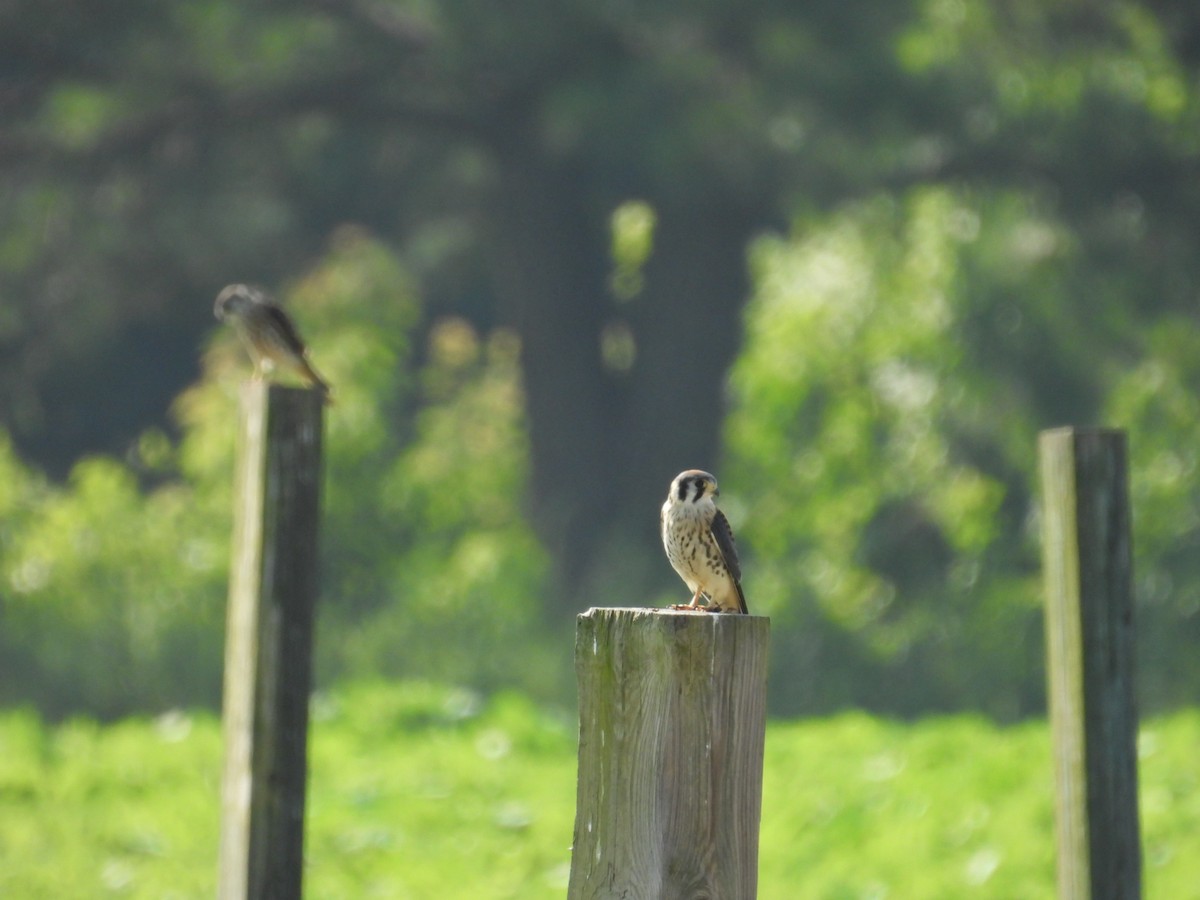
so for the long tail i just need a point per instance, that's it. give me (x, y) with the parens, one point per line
(314, 377)
(741, 597)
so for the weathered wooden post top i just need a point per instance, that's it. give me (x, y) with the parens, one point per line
(1088, 561)
(269, 638)
(672, 720)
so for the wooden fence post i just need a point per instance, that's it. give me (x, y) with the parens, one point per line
(268, 653)
(672, 719)
(1088, 569)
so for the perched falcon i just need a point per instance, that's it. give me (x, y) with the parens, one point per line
(268, 333)
(699, 544)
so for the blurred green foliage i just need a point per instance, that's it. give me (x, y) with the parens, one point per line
(965, 222)
(879, 472)
(881, 451)
(1158, 400)
(867, 459)
(113, 597)
(114, 583)
(421, 791)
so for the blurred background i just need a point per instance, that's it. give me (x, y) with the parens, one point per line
(850, 258)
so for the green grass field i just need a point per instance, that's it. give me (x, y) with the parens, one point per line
(423, 792)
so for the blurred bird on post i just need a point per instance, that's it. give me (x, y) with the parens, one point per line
(268, 333)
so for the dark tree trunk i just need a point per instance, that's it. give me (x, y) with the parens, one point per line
(550, 264)
(605, 444)
(687, 323)
(689, 329)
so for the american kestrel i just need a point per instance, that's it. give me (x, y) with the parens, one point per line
(268, 333)
(699, 544)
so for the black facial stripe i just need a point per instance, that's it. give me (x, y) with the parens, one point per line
(683, 486)
(699, 482)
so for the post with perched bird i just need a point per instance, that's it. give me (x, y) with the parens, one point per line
(672, 721)
(1087, 548)
(269, 639)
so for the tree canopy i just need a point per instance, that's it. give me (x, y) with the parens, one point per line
(850, 258)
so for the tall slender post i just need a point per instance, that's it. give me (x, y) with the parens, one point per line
(672, 719)
(1087, 549)
(269, 637)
